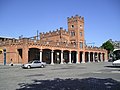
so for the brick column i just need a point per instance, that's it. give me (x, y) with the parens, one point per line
(97, 58)
(93, 57)
(52, 57)
(25, 55)
(70, 58)
(40, 55)
(101, 57)
(106, 57)
(77, 57)
(61, 57)
(88, 56)
(83, 57)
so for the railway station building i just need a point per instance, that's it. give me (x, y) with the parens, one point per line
(53, 47)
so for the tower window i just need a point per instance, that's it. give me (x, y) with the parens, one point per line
(72, 33)
(81, 34)
(81, 45)
(80, 26)
(72, 26)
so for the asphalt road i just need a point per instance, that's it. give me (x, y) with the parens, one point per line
(88, 76)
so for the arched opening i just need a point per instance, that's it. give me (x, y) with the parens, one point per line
(86, 56)
(57, 56)
(66, 56)
(99, 59)
(33, 54)
(91, 57)
(73, 56)
(46, 55)
(81, 56)
(96, 57)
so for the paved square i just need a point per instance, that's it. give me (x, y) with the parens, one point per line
(88, 74)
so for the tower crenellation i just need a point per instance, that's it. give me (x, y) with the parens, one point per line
(75, 18)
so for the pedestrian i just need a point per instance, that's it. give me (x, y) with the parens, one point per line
(11, 63)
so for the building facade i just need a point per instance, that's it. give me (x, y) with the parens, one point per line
(53, 47)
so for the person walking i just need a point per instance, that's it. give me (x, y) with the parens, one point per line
(11, 63)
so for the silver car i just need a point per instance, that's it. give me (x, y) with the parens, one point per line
(34, 64)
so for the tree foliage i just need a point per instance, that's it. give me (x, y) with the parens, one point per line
(108, 46)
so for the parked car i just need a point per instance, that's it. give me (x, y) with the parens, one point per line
(34, 64)
(116, 63)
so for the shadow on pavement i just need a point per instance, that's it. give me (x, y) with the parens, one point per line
(112, 66)
(72, 84)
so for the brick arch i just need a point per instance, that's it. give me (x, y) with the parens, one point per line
(33, 54)
(86, 57)
(66, 56)
(73, 56)
(57, 56)
(46, 55)
(33, 46)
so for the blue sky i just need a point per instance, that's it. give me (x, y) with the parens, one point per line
(25, 17)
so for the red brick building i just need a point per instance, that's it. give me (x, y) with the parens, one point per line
(59, 46)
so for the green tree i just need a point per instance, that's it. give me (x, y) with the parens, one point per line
(108, 46)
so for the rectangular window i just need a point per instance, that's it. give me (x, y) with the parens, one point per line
(72, 33)
(80, 34)
(81, 45)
